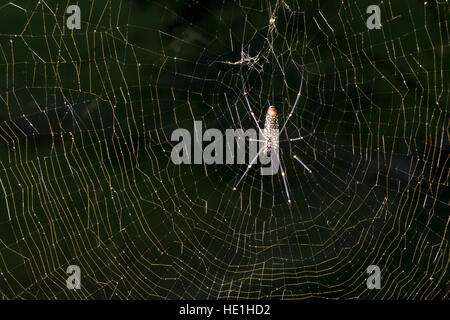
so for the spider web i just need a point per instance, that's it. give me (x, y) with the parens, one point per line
(86, 177)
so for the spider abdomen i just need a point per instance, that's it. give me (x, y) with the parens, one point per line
(271, 131)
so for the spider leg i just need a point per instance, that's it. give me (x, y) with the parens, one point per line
(248, 102)
(283, 175)
(248, 168)
(256, 140)
(301, 162)
(296, 139)
(295, 104)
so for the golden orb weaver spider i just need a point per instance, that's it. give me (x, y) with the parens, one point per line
(271, 133)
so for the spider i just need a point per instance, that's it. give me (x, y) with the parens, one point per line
(271, 133)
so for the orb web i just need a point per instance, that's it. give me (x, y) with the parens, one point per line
(87, 179)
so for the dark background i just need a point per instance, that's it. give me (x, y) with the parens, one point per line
(85, 124)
